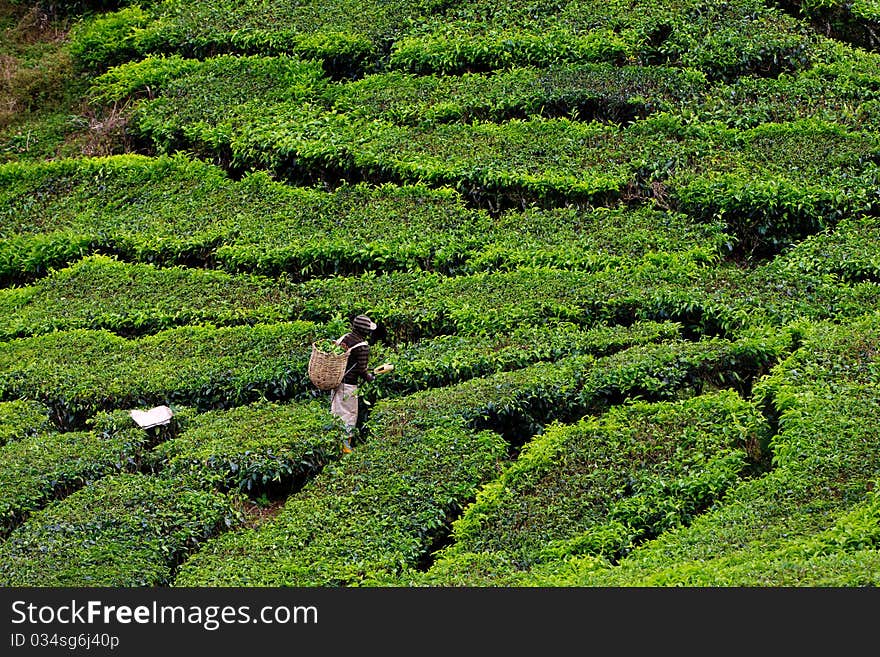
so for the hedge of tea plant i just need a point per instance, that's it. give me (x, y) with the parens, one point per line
(271, 79)
(520, 158)
(518, 403)
(459, 48)
(101, 292)
(536, 160)
(855, 22)
(59, 211)
(721, 40)
(412, 306)
(23, 418)
(448, 240)
(781, 182)
(780, 291)
(261, 226)
(55, 212)
(357, 228)
(706, 170)
(125, 530)
(434, 363)
(305, 231)
(842, 555)
(178, 115)
(259, 448)
(183, 102)
(587, 91)
(792, 198)
(849, 250)
(458, 37)
(345, 35)
(785, 529)
(346, 38)
(377, 510)
(662, 286)
(617, 93)
(608, 483)
(813, 517)
(842, 89)
(77, 373)
(147, 299)
(446, 359)
(381, 507)
(785, 290)
(37, 469)
(707, 300)
(594, 239)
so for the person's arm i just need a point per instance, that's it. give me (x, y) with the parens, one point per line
(362, 356)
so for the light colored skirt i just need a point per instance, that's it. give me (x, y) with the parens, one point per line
(344, 404)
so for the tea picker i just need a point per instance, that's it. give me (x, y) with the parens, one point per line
(339, 366)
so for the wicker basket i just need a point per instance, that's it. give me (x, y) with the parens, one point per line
(326, 370)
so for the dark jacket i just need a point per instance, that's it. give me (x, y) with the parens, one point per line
(358, 359)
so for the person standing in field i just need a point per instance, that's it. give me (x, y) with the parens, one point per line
(343, 399)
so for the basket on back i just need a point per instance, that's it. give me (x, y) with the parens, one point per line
(326, 369)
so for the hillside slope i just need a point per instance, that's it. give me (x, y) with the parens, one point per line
(623, 255)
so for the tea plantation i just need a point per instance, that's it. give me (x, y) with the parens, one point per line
(624, 256)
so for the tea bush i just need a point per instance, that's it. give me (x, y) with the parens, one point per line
(127, 530)
(22, 418)
(52, 464)
(375, 511)
(255, 448)
(609, 483)
(132, 299)
(77, 373)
